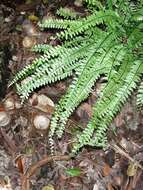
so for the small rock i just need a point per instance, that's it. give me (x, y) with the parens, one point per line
(9, 103)
(29, 29)
(78, 3)
(28, 42)
(8, 19)
(14, 58)
(41, 122)
(43, 103)
(84, 112)
(4, 118)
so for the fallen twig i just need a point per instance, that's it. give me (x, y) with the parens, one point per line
(122, 152)
(9, 141)
(32, 169)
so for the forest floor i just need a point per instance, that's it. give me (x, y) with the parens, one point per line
(25, 160)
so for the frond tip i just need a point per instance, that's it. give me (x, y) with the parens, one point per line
(67, 13)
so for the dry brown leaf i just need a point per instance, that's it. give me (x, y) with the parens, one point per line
(106, 170)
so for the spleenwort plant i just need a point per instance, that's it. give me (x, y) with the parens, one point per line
(107, 42)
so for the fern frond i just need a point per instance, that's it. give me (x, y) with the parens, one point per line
(56, 23)
(41, 48)
(124, 88)
(26, 71)
(97, 64)
(50, 52)
(74, 28)
(67, 13)
(140, 95)
(109, 103)
(90, 21)
(50, 71)
(94, 5)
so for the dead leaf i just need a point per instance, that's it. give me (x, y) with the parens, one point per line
(106, 170)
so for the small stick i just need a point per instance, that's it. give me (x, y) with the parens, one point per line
(9, 142)
(120, 151)
(32, 169)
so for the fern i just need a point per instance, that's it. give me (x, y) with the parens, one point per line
(76, 27)
(140, 95)
(122, 84)
(108, 42)
(67, 13)
(91, 2)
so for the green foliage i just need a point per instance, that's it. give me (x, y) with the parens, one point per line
(67, 13)
(73, 172)
(108, 42)
(94, 4)
(140, 95)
